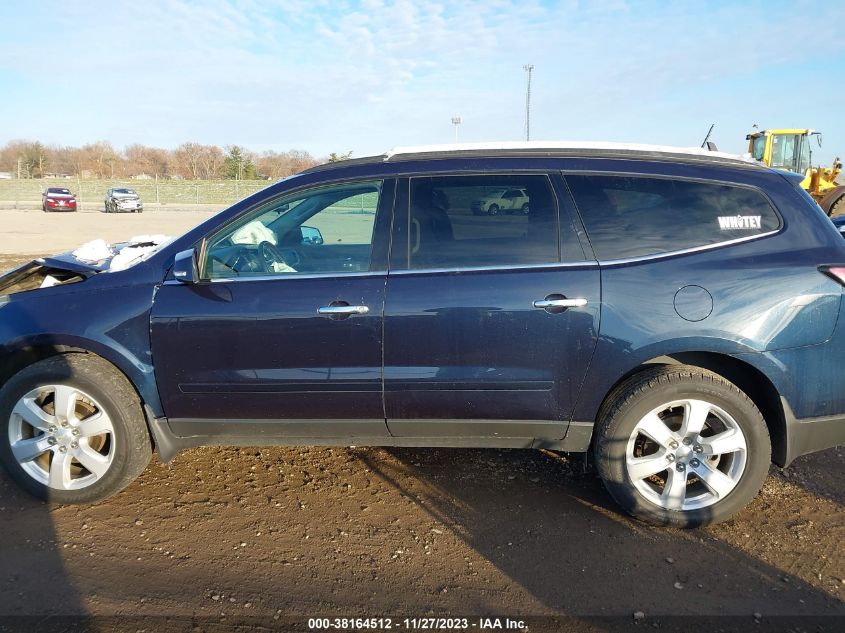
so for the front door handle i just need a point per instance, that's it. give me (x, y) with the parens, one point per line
(342, 310)
(560, 303)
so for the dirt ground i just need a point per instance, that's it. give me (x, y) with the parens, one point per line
(38, 233)
(264, 539)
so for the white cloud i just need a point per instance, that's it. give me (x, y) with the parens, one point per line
(372, 74)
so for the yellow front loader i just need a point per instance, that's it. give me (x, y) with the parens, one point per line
(791, 149)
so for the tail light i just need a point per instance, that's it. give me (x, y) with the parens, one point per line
(835, 272)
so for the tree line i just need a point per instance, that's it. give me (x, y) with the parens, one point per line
(193, 161)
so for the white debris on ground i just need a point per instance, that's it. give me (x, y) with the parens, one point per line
(122, 256)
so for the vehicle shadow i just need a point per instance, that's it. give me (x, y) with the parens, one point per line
(551, 528)
(820, 473)
(35, 587)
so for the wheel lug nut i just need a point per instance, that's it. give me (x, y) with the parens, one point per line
(680, 467)
(698, 448)
(75, 432)
(51, 441)
(74, 444)
(63, 449)
(687, 441)
(51, 429)
(65, 424)
(670, 457)
(673, 445)
(694, 463)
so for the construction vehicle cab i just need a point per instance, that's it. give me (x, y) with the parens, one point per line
(791, 149)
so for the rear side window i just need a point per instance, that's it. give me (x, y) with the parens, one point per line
(471, 221)
(636, 217)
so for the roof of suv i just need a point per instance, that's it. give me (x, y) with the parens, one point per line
(550, 149)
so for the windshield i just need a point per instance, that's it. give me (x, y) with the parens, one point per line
(125, 191)
(59, 190)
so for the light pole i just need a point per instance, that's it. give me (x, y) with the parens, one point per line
(528, 68)
(456, 121)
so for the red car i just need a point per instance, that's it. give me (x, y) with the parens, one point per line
(58, 199)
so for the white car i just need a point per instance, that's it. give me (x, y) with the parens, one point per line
(120, 199)
(507, 200)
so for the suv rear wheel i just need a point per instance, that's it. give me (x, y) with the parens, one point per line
(681, 446)
(72, 429)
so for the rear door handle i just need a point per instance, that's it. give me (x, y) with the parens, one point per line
(343, 310)
(545, 304)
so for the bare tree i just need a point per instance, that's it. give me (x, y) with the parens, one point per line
(187, 157)
(101, 160)
(211, 162)
(190, 160)
(141, 159)
(276, 165)
(62, 159)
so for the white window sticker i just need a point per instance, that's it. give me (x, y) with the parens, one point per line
(733, 222)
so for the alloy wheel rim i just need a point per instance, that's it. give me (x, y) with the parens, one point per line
(62, 437)
(686, 455)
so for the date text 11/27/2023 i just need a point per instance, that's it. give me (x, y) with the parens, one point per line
(417, 624)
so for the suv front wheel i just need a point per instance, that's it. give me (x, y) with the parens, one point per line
(72, 429)
(681, 446)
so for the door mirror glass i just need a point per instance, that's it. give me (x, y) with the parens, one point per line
(185, 267)
(310, 235)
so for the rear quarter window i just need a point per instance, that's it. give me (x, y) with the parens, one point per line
(633, 216)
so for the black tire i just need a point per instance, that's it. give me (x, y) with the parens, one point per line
(524, 209)
(838, 208)
(640, 395)
(493, 209)
(100, 380)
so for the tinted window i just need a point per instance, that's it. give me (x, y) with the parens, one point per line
(324, 230)
(634, 217)
(467, 221)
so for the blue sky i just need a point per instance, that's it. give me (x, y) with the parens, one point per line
(371, 74)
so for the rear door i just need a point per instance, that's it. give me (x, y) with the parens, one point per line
(490, 321)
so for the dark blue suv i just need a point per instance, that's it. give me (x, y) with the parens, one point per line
(677, 313)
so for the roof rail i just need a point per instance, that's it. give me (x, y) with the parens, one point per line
(563, 148)
(549, 149)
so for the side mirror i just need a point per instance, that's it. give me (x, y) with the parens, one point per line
(310, 235)
(185, 267)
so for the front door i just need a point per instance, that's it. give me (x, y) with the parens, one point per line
(490, 323)
(283, 335)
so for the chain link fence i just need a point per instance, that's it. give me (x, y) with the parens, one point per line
(91, 193)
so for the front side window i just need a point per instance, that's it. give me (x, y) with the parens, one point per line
(471, 221)
(324, 230)
(636, 216)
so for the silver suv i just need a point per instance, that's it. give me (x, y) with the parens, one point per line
(119, 199)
